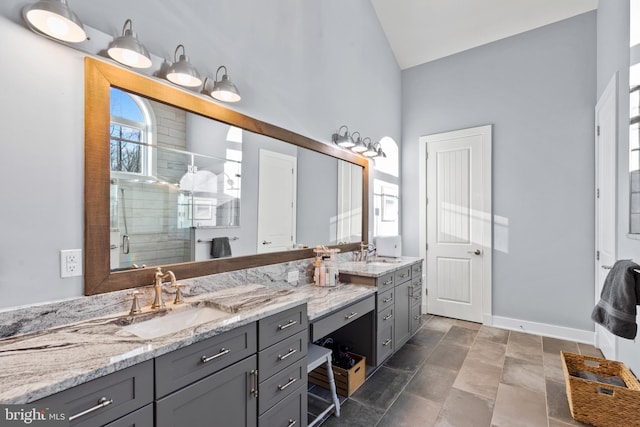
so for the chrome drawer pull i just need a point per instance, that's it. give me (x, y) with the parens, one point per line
(288, 325)
(291, 351)
(387, 299)
(388, 316)
(101, 404)
(291, 422)
(388, 282)
(353, 313)
(387, 342)
(417, 297)
(254, 382)
(417, 317)
(291, 381)
(223, 351)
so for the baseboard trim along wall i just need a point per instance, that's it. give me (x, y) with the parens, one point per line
(552, 331)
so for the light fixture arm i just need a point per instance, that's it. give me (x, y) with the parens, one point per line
(124, 27)
(175, 54)
(218, 70)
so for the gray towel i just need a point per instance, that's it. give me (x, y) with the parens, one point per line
(220, 247)
(616, 310)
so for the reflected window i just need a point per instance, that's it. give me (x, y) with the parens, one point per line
(386, 203)
(130, 131)
(389, 164)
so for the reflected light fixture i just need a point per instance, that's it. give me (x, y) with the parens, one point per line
(224, 89)
(360, 146)
(344, 140)
(371, 150)
(55, 19)
(181, 72)
(128, 50)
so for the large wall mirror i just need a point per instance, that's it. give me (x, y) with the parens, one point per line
(173, 179)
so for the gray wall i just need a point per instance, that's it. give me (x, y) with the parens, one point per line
(613, 57)
(537, 90)
(306, 66)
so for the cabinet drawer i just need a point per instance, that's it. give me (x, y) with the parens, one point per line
(416, 291)
(342, 317)
(282, 384)
(291, 411)
(143, 417)
(385, 282)
(282, 354)
(385, 318)
(282, 325)
(402, 275)
(384, 346)
(416, 269)
(128, 390)
(385, 299)
(189, 364)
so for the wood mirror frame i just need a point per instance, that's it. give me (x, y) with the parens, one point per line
(99, 77)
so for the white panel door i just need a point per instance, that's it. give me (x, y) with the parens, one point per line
(606, 121)
(276, 202)
(458, 223)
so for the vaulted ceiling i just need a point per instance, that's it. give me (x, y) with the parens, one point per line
(420, 31)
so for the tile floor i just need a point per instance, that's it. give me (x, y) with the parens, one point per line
(457, 373)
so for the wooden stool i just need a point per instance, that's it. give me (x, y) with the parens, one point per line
(316, 356)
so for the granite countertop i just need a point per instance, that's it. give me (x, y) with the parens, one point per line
(377, 266)
(42, 363)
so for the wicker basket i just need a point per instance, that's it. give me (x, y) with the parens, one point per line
(600, 404)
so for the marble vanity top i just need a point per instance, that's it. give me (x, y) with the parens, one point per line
(376, 266)
(40, 363)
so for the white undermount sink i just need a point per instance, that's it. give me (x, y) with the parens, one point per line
(172, 322)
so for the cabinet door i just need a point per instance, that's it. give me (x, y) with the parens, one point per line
(402, 308)
(416, 317)
(384, 346)
(143, 417)
(222, 399)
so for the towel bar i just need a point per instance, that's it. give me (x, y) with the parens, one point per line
(209, 241)
(609, 267)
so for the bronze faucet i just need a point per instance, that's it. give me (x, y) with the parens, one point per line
(158, 303)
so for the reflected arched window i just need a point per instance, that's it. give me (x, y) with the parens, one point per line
(130, 133)
(389, 164)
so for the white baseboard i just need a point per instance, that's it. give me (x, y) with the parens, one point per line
(546, 330)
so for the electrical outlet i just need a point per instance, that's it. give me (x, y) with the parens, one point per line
(71, 263)
(292, 276)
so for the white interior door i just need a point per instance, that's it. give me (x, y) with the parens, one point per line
(606, 120)
(276, 202)
(459, 224)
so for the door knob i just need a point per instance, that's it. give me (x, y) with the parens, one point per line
(264, 242)
(476, 252)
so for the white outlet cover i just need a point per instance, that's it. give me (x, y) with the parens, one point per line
(70, 263)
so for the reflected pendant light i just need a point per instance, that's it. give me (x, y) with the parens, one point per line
(371, 150)
(55, 19)
(225, 90)
(128, 50)
(181, 72)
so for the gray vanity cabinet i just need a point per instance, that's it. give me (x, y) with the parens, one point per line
(106, 399)
(282, 367)
(415, 314)
(402, 315)
(226, 398)
(211, 382)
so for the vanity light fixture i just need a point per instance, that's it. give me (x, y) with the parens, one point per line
(182, 72)
(128, 50)
(360, 146)
(55, 19)
(344, 140)
(370, 151)
(224, 89)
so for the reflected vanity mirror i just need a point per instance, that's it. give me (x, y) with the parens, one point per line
(169, 175)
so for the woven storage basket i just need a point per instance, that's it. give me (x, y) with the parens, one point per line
(600, 404)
